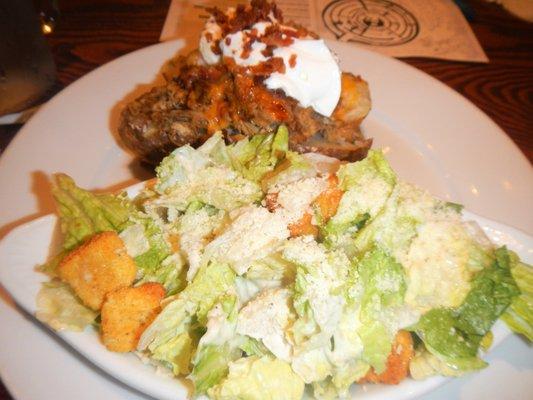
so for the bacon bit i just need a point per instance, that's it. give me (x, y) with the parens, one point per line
(227, 41)
(268, 51)
(274, 64)
(292, 61)
(271, 200)
(275, 36)
(209, 36)
(215, 48)
(245, 16)
(247, 48)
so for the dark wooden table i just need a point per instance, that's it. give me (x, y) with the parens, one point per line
(90, 33)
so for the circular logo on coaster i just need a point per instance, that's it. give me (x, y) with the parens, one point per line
(373, 22)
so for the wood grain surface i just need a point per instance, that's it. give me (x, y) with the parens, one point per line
(90, 33)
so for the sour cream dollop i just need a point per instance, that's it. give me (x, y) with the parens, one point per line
(312, 75)
(315, 79)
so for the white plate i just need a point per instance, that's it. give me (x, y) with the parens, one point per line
(433, 136)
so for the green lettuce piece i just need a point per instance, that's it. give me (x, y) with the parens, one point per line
(59, 308)
(338, 385)
(320, 277)
(188, 175)
(255, 157)
(218, 346)
(519, 315)
(195, 227)
(170, 274)
(292, 168)
(454, 349)
(146, 243)
(259, 378)
(83, 214)
(210, 283)
(383, 281)
(492, 291)
(424, 365)
(212, 365)
(179, 168)
(367, 184)
(177, 353)
(157, 250)
(254, 347)
(272, 269)
(455, 335)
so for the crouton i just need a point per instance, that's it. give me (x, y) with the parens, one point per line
(328, 201)
(397, 362)
(98, 267)
(127, 312)
(304, 226)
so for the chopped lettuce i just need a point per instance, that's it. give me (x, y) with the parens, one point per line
(191, 305)
(256, 157)
(195, 227)
(493, 289)
(58, 306)
(146, 243)
(259, 378)
(455, 335)
(177, 352)
(367, 184)
(424, 365)
(83, 214)
(212, 365)
(218, 347)
(320, 277)
(519, 315)
(188, 175)
(267, 317)
(253, 347)
(383, 281)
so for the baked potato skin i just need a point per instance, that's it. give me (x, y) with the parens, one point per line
(199, 100)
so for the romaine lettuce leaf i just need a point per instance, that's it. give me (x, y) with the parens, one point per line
(211, 365)
(255, 157)
(188, 175)
(519, 316)
(177, 352)
(367, 185)
(190, 305)
(218, 346)
(146, 243)
(383, 288)
(493, 290)
(83, 214)
(455, 335)
(253, 347)
(259, 378)
(58, 306)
